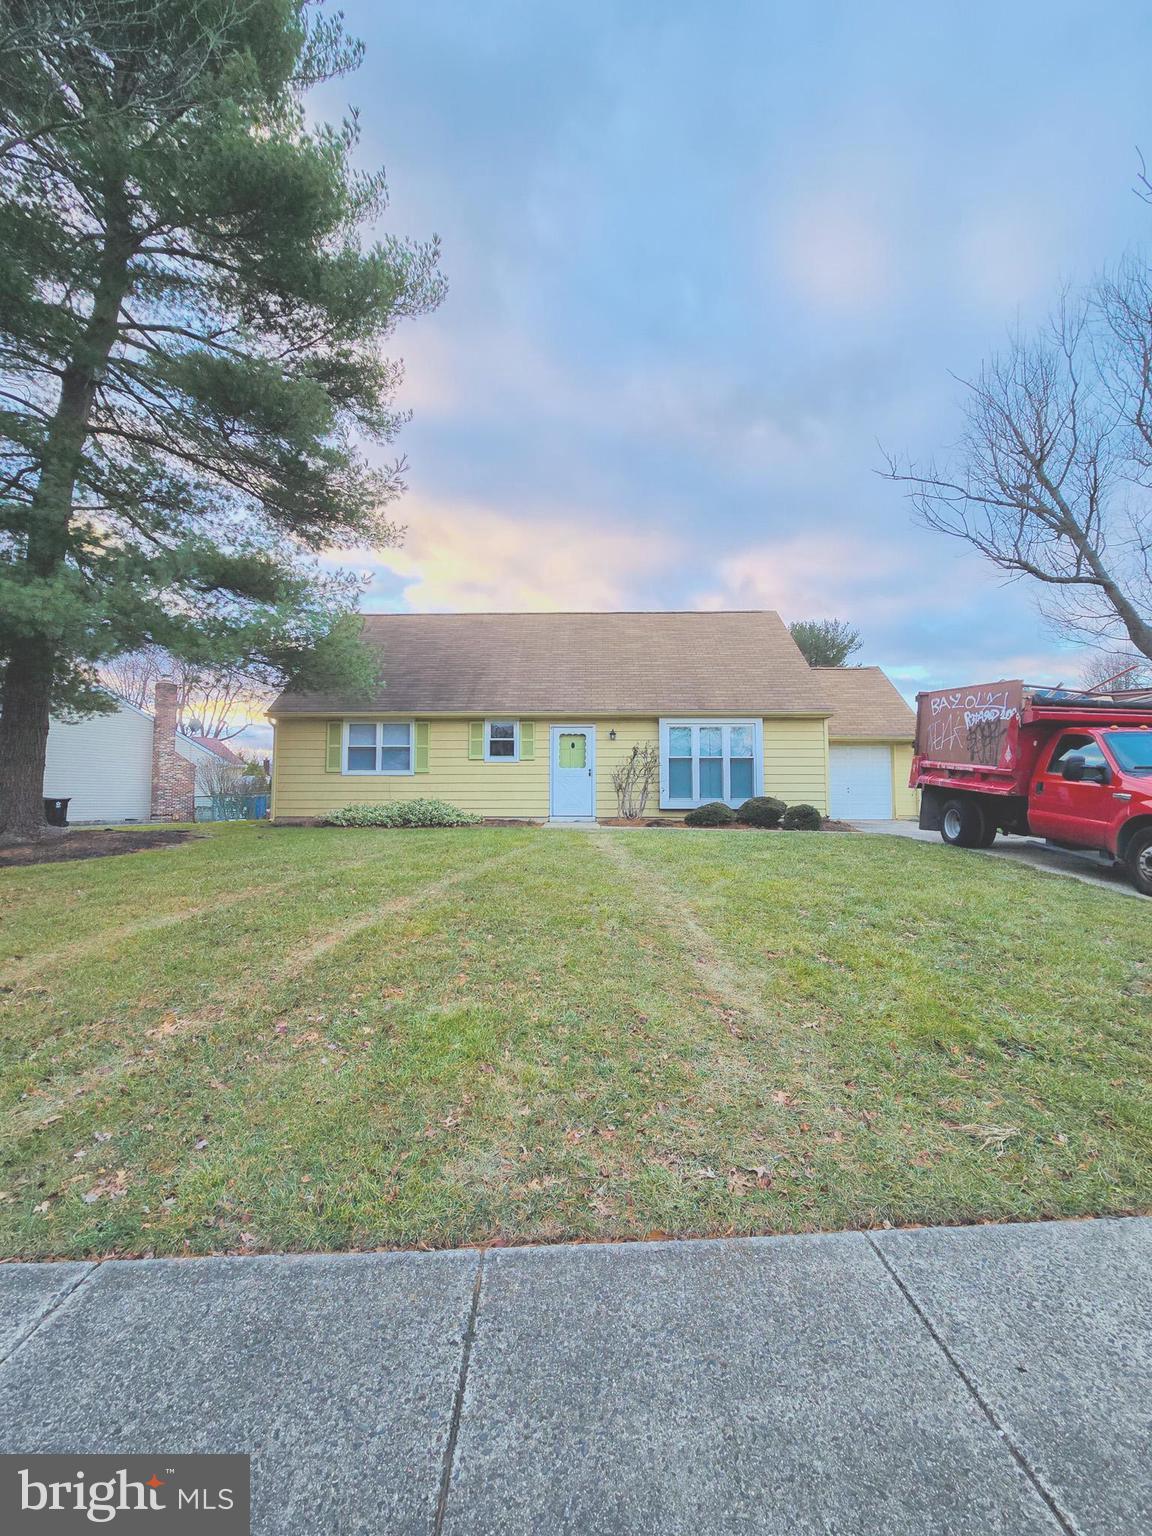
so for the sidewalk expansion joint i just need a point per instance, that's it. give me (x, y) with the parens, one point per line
(31, 1331)
(458, 1403)
(1063, 1520)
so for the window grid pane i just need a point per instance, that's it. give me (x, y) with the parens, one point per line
(395, 760)
(711, 778)
(741, 774)
(711, 741)
(362, 759)
(680, 778)
(362, 736)
(395, 735)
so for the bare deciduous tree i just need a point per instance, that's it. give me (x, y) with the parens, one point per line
(1116, 669)
(1053, 474)
(131, 677)
(635, 779)
(226, 785)
(213, 700)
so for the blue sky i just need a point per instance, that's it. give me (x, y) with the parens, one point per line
(702, 261)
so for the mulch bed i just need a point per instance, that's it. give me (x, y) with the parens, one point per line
(729, 826)
(100, 843)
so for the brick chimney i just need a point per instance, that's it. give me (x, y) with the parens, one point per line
(173, 777)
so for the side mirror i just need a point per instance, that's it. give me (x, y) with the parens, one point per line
(1077, 771)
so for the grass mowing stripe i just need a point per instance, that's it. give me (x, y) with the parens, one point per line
(115, 1065)
(603, 1036)
(107, 937)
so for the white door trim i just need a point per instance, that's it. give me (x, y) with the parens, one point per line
(554, 733)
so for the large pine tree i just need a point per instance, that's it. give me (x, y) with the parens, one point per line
(190, 330)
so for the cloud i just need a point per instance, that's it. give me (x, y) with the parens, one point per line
(459, 557)
(832, 575)
(835, 255)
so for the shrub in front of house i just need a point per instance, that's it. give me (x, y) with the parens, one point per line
(802, 818)
(761, 811)
(402, 813)
(714, 814)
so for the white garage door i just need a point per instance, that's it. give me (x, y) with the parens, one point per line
(860, 786)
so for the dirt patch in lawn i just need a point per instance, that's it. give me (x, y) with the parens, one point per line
(100, 843)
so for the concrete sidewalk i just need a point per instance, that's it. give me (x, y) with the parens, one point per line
(961, 1381)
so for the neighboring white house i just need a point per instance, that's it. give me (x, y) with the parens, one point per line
(114, 767)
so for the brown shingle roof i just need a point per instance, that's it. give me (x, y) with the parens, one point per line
(866, 705)
(580, 664)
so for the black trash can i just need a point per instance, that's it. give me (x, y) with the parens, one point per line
(56, 811)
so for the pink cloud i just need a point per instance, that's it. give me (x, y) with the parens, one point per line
(458, 557)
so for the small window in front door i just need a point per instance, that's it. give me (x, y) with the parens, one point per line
(573, 750)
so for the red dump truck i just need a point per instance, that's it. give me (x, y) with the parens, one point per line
(1074, 768)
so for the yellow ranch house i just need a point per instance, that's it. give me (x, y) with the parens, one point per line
(527, 715)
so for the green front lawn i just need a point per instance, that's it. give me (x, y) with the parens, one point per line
(279, 1038)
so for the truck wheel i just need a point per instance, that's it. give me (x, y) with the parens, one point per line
(988, 835)
(1139, 861)
(962, 823)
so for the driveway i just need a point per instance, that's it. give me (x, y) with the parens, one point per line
(987, 1381)
(1086, 867)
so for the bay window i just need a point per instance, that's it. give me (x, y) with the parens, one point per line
(380, 746)
(702, 760)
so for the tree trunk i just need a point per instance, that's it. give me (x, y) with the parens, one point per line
(26, 700)
(24, 713)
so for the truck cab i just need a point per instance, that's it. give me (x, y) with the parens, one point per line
(1089, 784)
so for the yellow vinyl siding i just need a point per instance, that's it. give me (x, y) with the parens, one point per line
(795, 769)
(796, 761)
(907, 800)
(610, 755)
(304, 789)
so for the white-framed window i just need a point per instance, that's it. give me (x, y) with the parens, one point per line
(702, 760)
(378, 746)
(501, 741)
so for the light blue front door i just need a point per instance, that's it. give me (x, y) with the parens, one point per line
(573, 770)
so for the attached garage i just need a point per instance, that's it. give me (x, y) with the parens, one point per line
(869, 746)
(859, 782)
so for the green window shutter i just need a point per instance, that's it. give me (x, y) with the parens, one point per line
(527, 740)
(420, 765)
(476, 738)
(335, 746)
